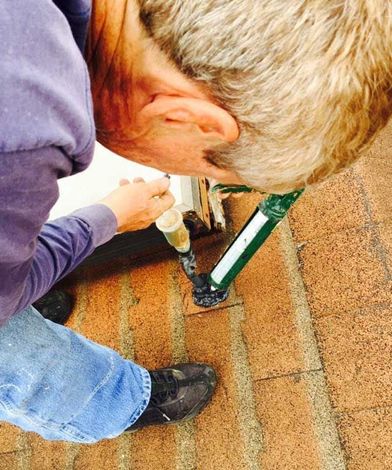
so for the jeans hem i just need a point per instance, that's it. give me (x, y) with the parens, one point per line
(123, 388)
(87, 439)
(70, 432)
(145, 375)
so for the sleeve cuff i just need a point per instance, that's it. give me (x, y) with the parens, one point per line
(101, 220)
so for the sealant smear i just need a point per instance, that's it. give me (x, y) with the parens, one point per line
(81, 295)
(249, 424)
(185, 433)
(378, 246)
(127, 300)
(298, 297)
(330, 451)
(24, 452)
(72, 449)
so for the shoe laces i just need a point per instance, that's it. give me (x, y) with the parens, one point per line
(164, 386)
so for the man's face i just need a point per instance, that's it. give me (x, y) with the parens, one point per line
(145, 109)
(169, 149)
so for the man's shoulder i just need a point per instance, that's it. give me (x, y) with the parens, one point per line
(78, 14)
(45, 95)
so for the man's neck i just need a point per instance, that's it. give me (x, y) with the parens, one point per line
(114, 42)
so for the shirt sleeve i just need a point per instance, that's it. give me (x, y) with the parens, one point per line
(33, 254)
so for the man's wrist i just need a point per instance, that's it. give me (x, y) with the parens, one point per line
(102, 221)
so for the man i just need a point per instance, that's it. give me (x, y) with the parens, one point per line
(261, 93)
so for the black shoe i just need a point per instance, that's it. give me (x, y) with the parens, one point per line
(55, 306)
(178, 393)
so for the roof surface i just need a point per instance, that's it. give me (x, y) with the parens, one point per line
(302, 346)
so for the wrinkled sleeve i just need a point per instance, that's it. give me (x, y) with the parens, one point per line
(34, 254)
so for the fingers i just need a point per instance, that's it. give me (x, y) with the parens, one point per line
(155, 187)
(167, 200)
(163, 203)
(158, 187)
(159, 198)
(138, 180)
(123, 182)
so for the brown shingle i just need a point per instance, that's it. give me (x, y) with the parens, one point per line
(218, 437)
(376, 177)
(357, 351)
(367, 437)
(335, 205)
(8, 438)
(9, 462)
(343, 271)
(270, 326)
(287, 423)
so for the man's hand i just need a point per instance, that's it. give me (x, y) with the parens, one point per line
(137, 205)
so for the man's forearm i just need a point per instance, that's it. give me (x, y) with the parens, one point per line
(61, 246)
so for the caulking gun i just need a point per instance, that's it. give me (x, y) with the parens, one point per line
(210, 289)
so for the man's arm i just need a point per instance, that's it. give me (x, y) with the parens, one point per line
(34, 256)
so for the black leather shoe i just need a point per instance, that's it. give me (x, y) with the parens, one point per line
(178, 393)
(56, 306)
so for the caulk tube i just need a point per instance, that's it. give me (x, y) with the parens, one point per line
(258, 228)
(171, 224)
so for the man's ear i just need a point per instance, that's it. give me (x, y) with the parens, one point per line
(197, 116)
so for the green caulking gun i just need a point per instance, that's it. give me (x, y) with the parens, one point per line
(212, 288)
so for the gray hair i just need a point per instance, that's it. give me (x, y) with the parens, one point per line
(308, 81)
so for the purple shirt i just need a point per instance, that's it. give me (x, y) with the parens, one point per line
(46, 132)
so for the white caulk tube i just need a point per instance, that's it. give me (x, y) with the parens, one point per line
(171, 224)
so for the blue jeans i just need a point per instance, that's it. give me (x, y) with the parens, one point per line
(64, 387)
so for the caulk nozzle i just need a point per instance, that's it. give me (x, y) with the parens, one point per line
(172, 225)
